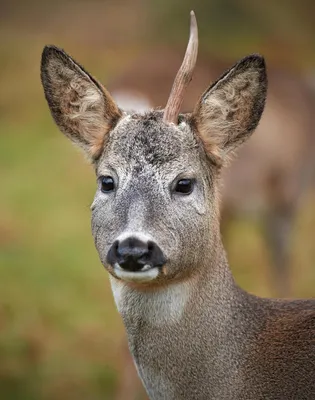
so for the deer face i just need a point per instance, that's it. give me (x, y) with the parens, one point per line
(156, 199)
(155, 214)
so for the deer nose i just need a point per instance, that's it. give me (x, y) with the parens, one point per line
(133, 254)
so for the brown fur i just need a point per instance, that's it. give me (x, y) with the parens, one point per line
(81, 107)
(224, 114)
(287, 337)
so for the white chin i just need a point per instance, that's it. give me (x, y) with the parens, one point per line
(147, 274)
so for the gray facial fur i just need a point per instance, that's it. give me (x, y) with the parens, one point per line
(147, 157)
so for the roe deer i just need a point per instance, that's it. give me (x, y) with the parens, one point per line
(193, 333)
(281, 155)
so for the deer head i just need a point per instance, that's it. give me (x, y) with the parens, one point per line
(155, 216)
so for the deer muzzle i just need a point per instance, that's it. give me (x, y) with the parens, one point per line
(135, 259)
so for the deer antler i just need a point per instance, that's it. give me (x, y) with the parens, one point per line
(184, 74)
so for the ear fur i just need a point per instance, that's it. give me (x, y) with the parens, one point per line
(83, 110)
(230, 109)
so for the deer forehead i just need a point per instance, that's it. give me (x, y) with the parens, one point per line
(142, 141)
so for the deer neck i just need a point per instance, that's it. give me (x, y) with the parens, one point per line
(176, 326)
(213, 286)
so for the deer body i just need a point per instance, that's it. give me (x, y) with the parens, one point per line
(210, 340)
(192, 332)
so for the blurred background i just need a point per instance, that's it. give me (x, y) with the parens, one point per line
(60, 334)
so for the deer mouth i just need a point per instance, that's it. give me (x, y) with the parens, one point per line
(146, 274)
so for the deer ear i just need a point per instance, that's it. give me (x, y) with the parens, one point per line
(230, 109)
(83, 110)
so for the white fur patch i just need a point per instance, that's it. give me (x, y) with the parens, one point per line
(118, 289)
(157, 307)
(147, 274)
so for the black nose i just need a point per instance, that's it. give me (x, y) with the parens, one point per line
(133, 254)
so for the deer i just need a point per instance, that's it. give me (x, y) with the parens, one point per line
(192, 331)
(272, 191)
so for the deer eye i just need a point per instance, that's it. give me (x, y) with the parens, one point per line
(107, 184)
(184, 186)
